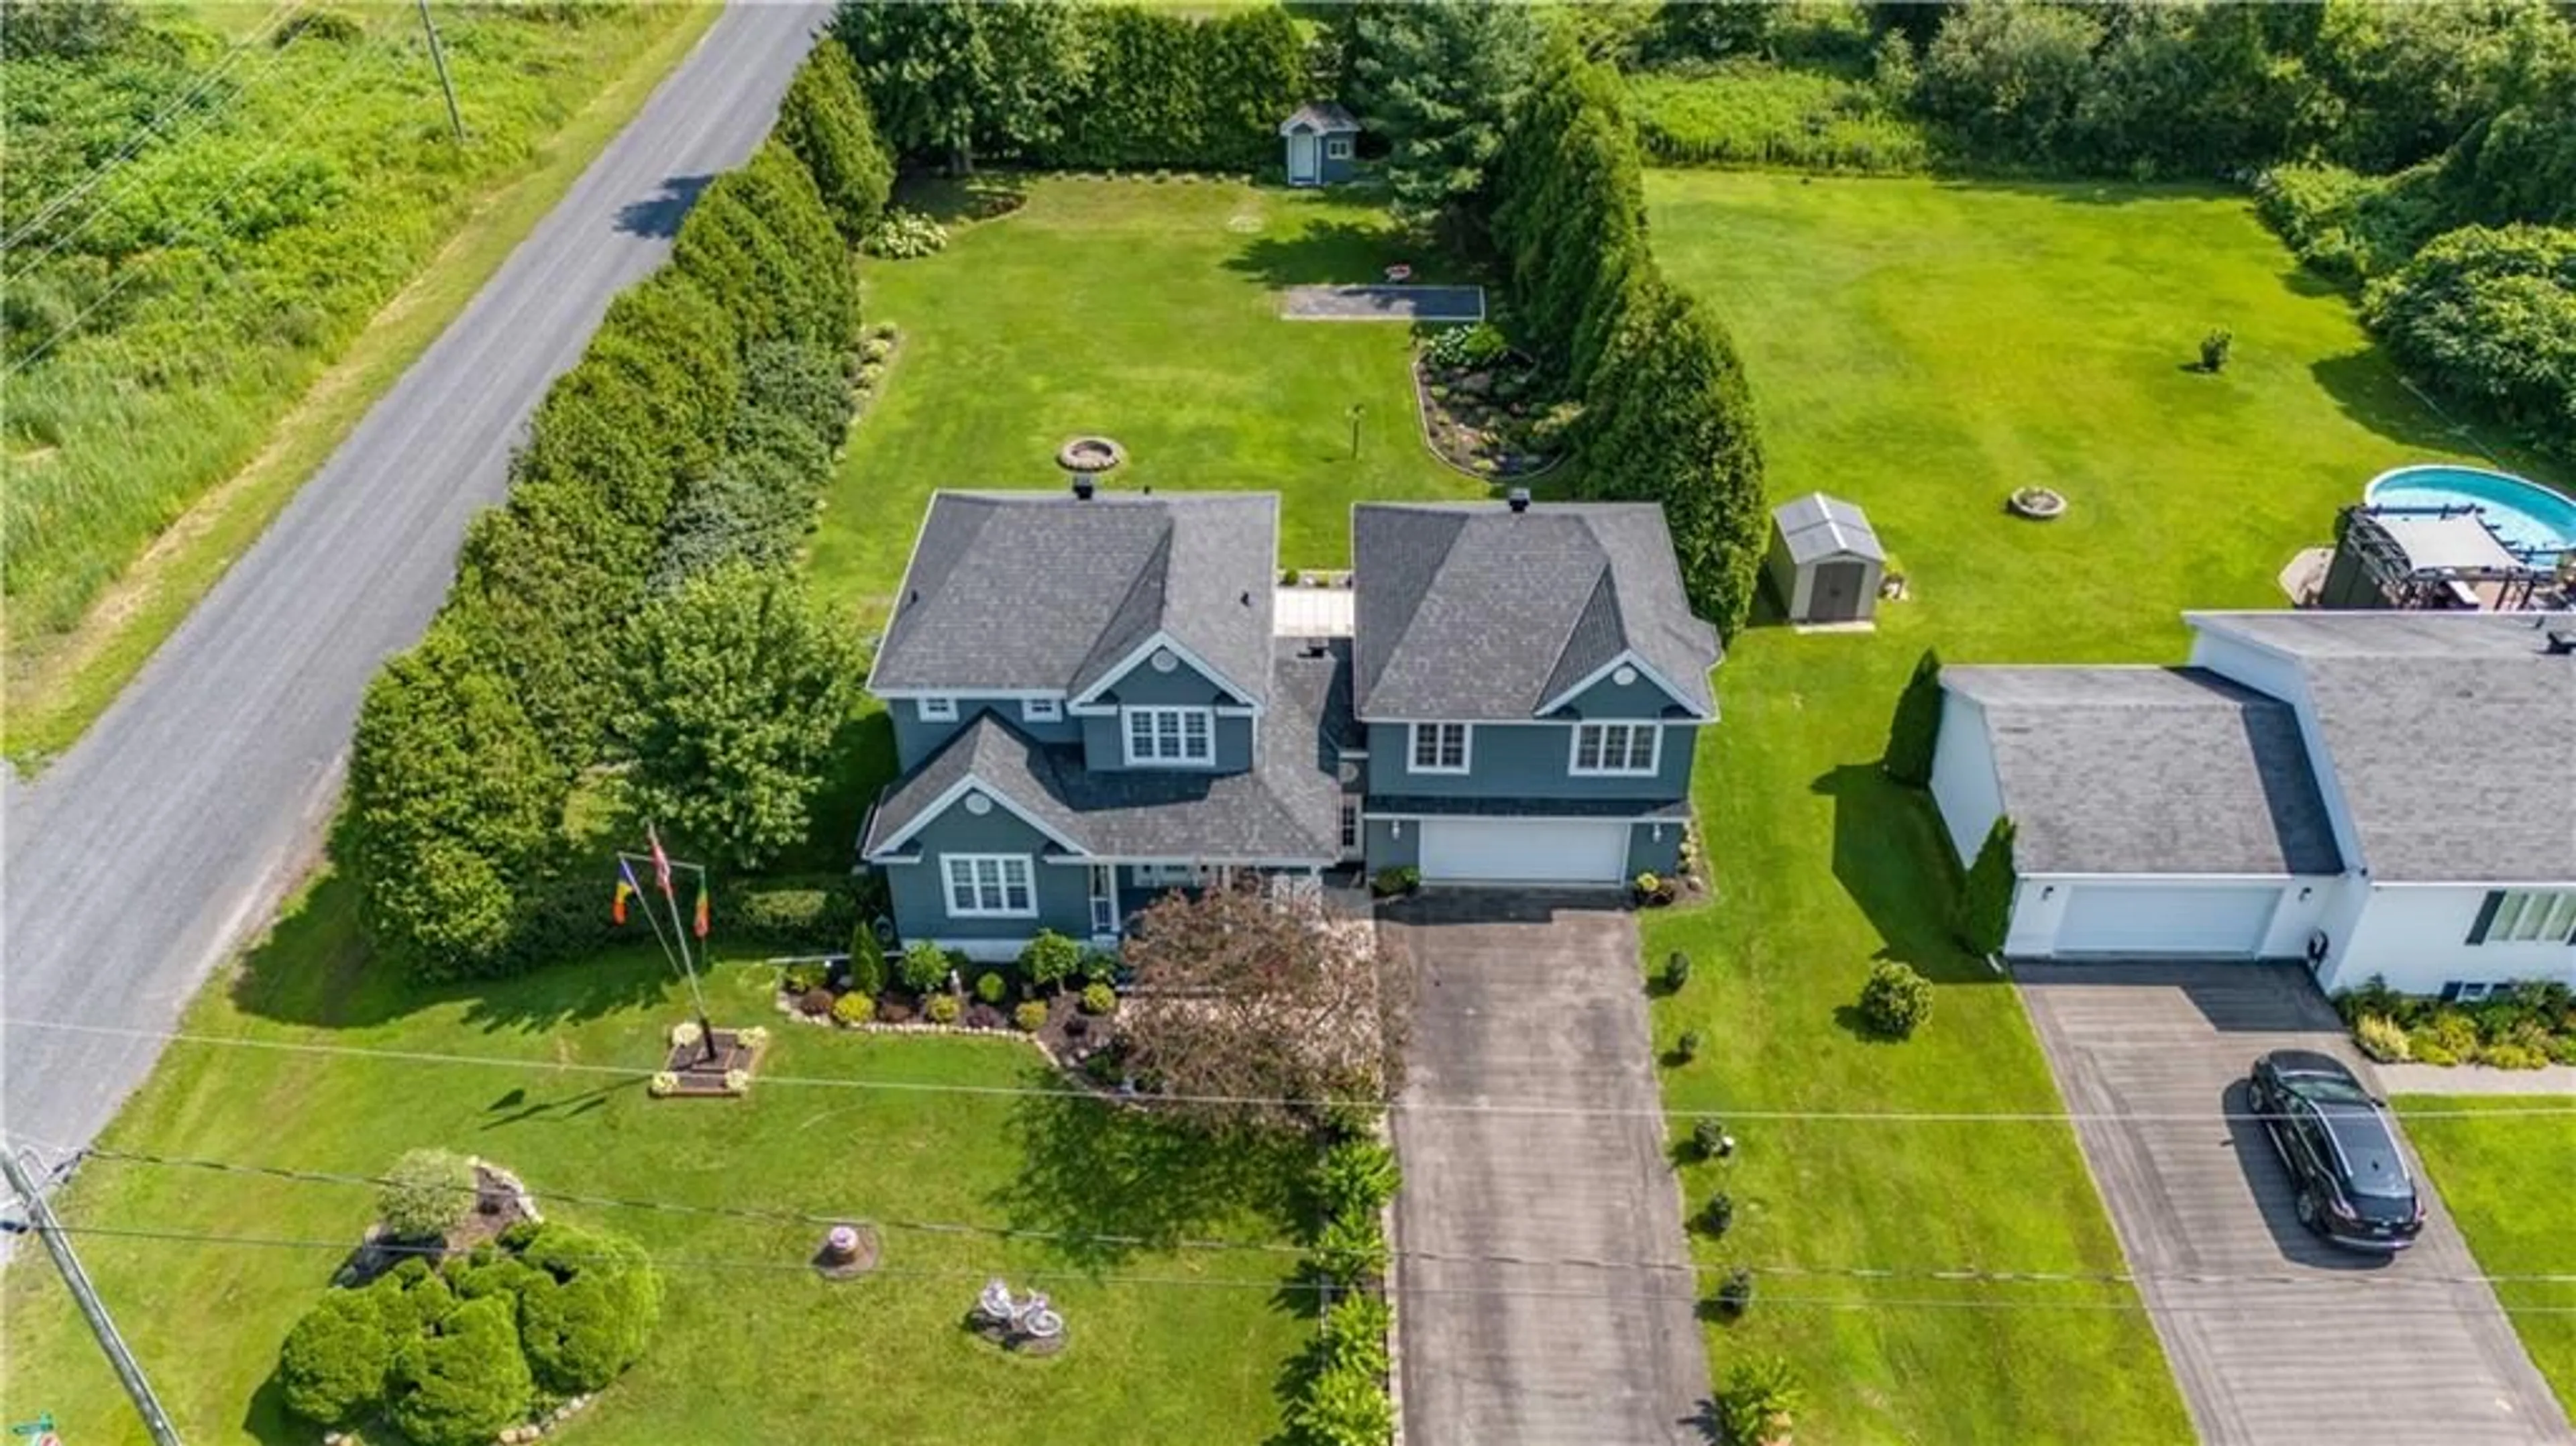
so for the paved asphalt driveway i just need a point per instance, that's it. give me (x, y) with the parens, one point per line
(2276, 1338)
(164, 838)
(1509, 1335)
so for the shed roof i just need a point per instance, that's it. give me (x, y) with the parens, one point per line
(1818, 525)
(2149, 771)
(1323, 117)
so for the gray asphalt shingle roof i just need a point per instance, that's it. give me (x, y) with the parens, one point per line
(1287, 808)
(1818, 525)
(2149, 771)
(1472, 611)
(1042, 590)
(2451, 736)
(1323, 117)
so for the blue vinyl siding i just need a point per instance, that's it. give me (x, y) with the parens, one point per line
(1105, 751)
(919, 890)
(1386, 848)
(915, 740)
(1608, 699)
(1184, 686)
(1648, 854)
(1524, 760)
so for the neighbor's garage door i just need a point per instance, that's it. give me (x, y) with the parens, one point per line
(2153, 919)
(1492, 851)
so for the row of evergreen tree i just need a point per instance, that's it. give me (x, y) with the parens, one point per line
(632, 602)
(1666, 416)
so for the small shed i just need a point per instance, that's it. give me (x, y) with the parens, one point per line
(1825, 561)
(1323, 142)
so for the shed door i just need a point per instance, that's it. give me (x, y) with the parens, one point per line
(1302, 152)
(2223, 920)
(1836, 595)
(1497, 851)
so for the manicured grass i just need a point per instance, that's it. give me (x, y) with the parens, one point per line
(1167, 1344)
(204, 491)
(1144, 310)
(1922, 348)
(2505, 1180)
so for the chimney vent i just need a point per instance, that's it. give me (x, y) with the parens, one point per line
(1518, 497)
(1084, 484)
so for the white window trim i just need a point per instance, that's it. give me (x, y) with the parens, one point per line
(1352, 831)
(1166, 875)
(1628, 727)
(1042, 710)
(1413, 748)
(937, 709)
(1337, 148)
(1127, 718)
(1004, 865)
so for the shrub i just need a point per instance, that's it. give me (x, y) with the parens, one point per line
(854, 1008)
(1354, 1336)
(752, 1037)
(332, 1367)
(1686, 1048)
(424, 1193)
(587, 1307)
(1050, 959)
(1357, 1177)
(1916, 729)
(2488, 316)
(1098, 965)
(1402, 879)
(1708, 1138)
(2455, 1031)
(1677, 971)
(686, 1034)
(867, 961)
(1342, 1406)
(903, 235)
(825, 120)
(1760, 1398)
(2380, 1038)
(876, 349)
(1735, 1294)
(2425, 1047)
(791, 914)
(663, 1084)
(815, 1003)
(923, 967)
(2214, 348)
(1030, 1017)
(942, 1008)
(990, 988)
(463, 1384)
(1895, 1001)
(1477, 345)
(1350, 1249)
(2511, 1055)
(1717, 1216)
(805, 976)
(1098, 998)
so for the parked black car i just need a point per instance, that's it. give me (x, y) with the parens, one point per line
(2341, 1149)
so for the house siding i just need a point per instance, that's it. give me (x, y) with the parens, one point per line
(2416, 937)
(1964, 784)
(1654, 848)
(1390, 844)
(919, 896)
(1611, 699)
(1525, 761)
(1184, 686)
(916, 739)
(1335, 172)
(1104, 750)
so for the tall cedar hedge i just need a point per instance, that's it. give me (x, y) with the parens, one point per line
(1983, 915)
(697, 426)
(1916, 729)
(1667, 417)
(824, 119)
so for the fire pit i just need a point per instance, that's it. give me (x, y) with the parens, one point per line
(1090, 456)
(2036, 503)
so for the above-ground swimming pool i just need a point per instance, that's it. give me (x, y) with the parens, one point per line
(2529, 517)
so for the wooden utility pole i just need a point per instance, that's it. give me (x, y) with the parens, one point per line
(438, 58)
(40, 1217)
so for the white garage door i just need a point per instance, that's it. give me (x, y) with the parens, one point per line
(1495, 851)
(2224, 919)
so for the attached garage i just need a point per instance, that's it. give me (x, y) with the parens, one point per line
(1522, 851)
(2157, 918)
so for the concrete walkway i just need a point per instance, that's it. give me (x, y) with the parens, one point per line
(2475, 1079)
(2275, 1337)
(1546, 1295)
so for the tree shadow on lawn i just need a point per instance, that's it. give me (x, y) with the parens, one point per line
(1891, 857)
(1117, 1181)
(2368, 388)
(1333, 253)
(962, 200)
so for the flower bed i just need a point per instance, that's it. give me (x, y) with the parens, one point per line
(2520, 1026)
(1483, 409)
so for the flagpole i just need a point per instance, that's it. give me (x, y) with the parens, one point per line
(662, 867)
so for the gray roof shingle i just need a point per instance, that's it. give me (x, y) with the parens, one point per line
(1287, 808)
(2149, 771)
(1472, 611)
(1042, 590)
(2451, 736)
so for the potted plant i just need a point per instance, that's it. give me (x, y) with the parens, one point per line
(1651, 888)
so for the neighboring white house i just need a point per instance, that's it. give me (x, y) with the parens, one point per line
(2380, 793)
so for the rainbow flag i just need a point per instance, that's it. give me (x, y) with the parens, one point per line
(699, 925)
(625, 890)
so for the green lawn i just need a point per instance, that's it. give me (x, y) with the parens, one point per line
(2505, 1180)
(1168, 1345)
(1144, 310)
(1922, 348)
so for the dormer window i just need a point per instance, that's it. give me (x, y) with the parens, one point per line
(1615, 748)
(1170, 736)
(938, 710)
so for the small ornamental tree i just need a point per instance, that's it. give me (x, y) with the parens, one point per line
(424, 1193)
(1984, 912)
(1050, 959)
(1895, 1000)
(464, 1383)
(1282, 999)
(332, 1368)
(1916, 728)
(867, 961)
(587, 1307)
(924, 967)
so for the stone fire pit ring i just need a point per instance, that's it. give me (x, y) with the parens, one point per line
(1090, 455)
(2040, 504)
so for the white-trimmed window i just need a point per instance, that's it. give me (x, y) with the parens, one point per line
(2527, 916)
(1615, 748)
(1350, 823)
(1170, 735)
(989, 886)
(1438, 748)
(1172, 876)
(1042, 710)
(938, 710)
(1337, 148)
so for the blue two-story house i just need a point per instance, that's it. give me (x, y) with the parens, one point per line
(1095, 700)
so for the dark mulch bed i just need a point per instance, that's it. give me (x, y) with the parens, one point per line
(702, 1071)
(500, 1202)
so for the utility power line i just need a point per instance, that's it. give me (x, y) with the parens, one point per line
(102, 1326)
(1410, 1107)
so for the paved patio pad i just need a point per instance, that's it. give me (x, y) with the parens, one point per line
(1383, 303)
